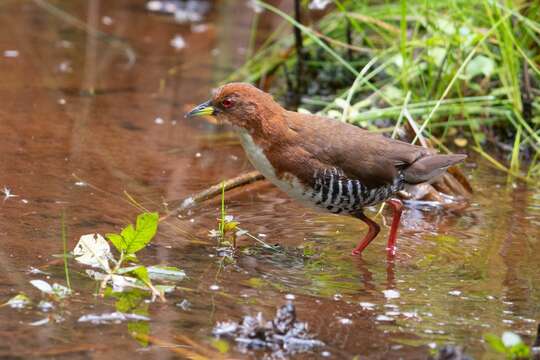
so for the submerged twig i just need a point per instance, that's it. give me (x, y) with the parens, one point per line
(189, 354)
(214, 191)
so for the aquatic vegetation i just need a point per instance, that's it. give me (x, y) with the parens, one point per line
(228, 230)
(93, 250)
(55, 290)
(466, 72)
(509, 344)
(19, 301)
(126, 275)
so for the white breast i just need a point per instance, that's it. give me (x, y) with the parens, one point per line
(258, 159)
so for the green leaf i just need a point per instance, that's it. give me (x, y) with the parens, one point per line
(132, 258)
(138, 237)
(118, 241)
(129, 301)
(133, 302)
(256, 283)
(230, 226)
(139, 330)
(172, 273)
(19, 301)
(496, 343)
(128, 234)
(221, 345)
(520, 351)
(142, 274)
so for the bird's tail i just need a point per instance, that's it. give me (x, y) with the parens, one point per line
(429, 168)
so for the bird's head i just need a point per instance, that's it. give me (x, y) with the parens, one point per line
(241, 104)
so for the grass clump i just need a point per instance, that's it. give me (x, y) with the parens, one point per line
(468, 70)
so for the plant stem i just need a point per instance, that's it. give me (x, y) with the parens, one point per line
(299, 43)
(64, 243)
(222, 224)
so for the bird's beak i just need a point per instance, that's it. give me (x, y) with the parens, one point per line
(203, 109)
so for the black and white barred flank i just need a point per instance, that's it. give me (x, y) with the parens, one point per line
(336, 193)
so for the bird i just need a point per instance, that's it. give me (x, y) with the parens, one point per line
(324, 163)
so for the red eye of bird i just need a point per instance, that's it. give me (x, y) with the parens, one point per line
(227, 103)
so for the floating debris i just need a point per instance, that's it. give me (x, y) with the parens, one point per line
(114, 317)
(283, 334)
(11, 53)
(454, 293)
(65, 67)
(178, 42)
(367, 305)
(7, 193)
(35, 271)
(183, 11)
(391, 294)
(19, 301)
(45, 306)
(40, 322)
(199, 28)
(510, 339)
(384, 318)
(319, 4)
(450, 352)
(107, 20)
(184, 304)
(55, 289)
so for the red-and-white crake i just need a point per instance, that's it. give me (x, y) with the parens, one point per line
(321, 162)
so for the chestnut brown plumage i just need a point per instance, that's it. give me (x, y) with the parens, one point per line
(327, 163)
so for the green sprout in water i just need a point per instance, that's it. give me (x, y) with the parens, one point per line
(94, 250)
(65, 252)
(509, 344)
(228, 230)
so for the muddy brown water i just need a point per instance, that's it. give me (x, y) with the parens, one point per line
(84, 118)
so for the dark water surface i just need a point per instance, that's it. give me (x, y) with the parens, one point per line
(85, 117)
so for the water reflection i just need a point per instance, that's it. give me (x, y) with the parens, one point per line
(82, 120)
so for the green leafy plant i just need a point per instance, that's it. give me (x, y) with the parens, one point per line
(509, 344)
(228, 229)
(93, 250)
(134, 238)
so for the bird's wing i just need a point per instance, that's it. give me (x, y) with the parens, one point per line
(363, 155)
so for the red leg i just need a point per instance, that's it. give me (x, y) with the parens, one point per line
(397, 208)
(374, 229)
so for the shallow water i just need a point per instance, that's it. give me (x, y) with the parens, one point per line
(84, 118)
